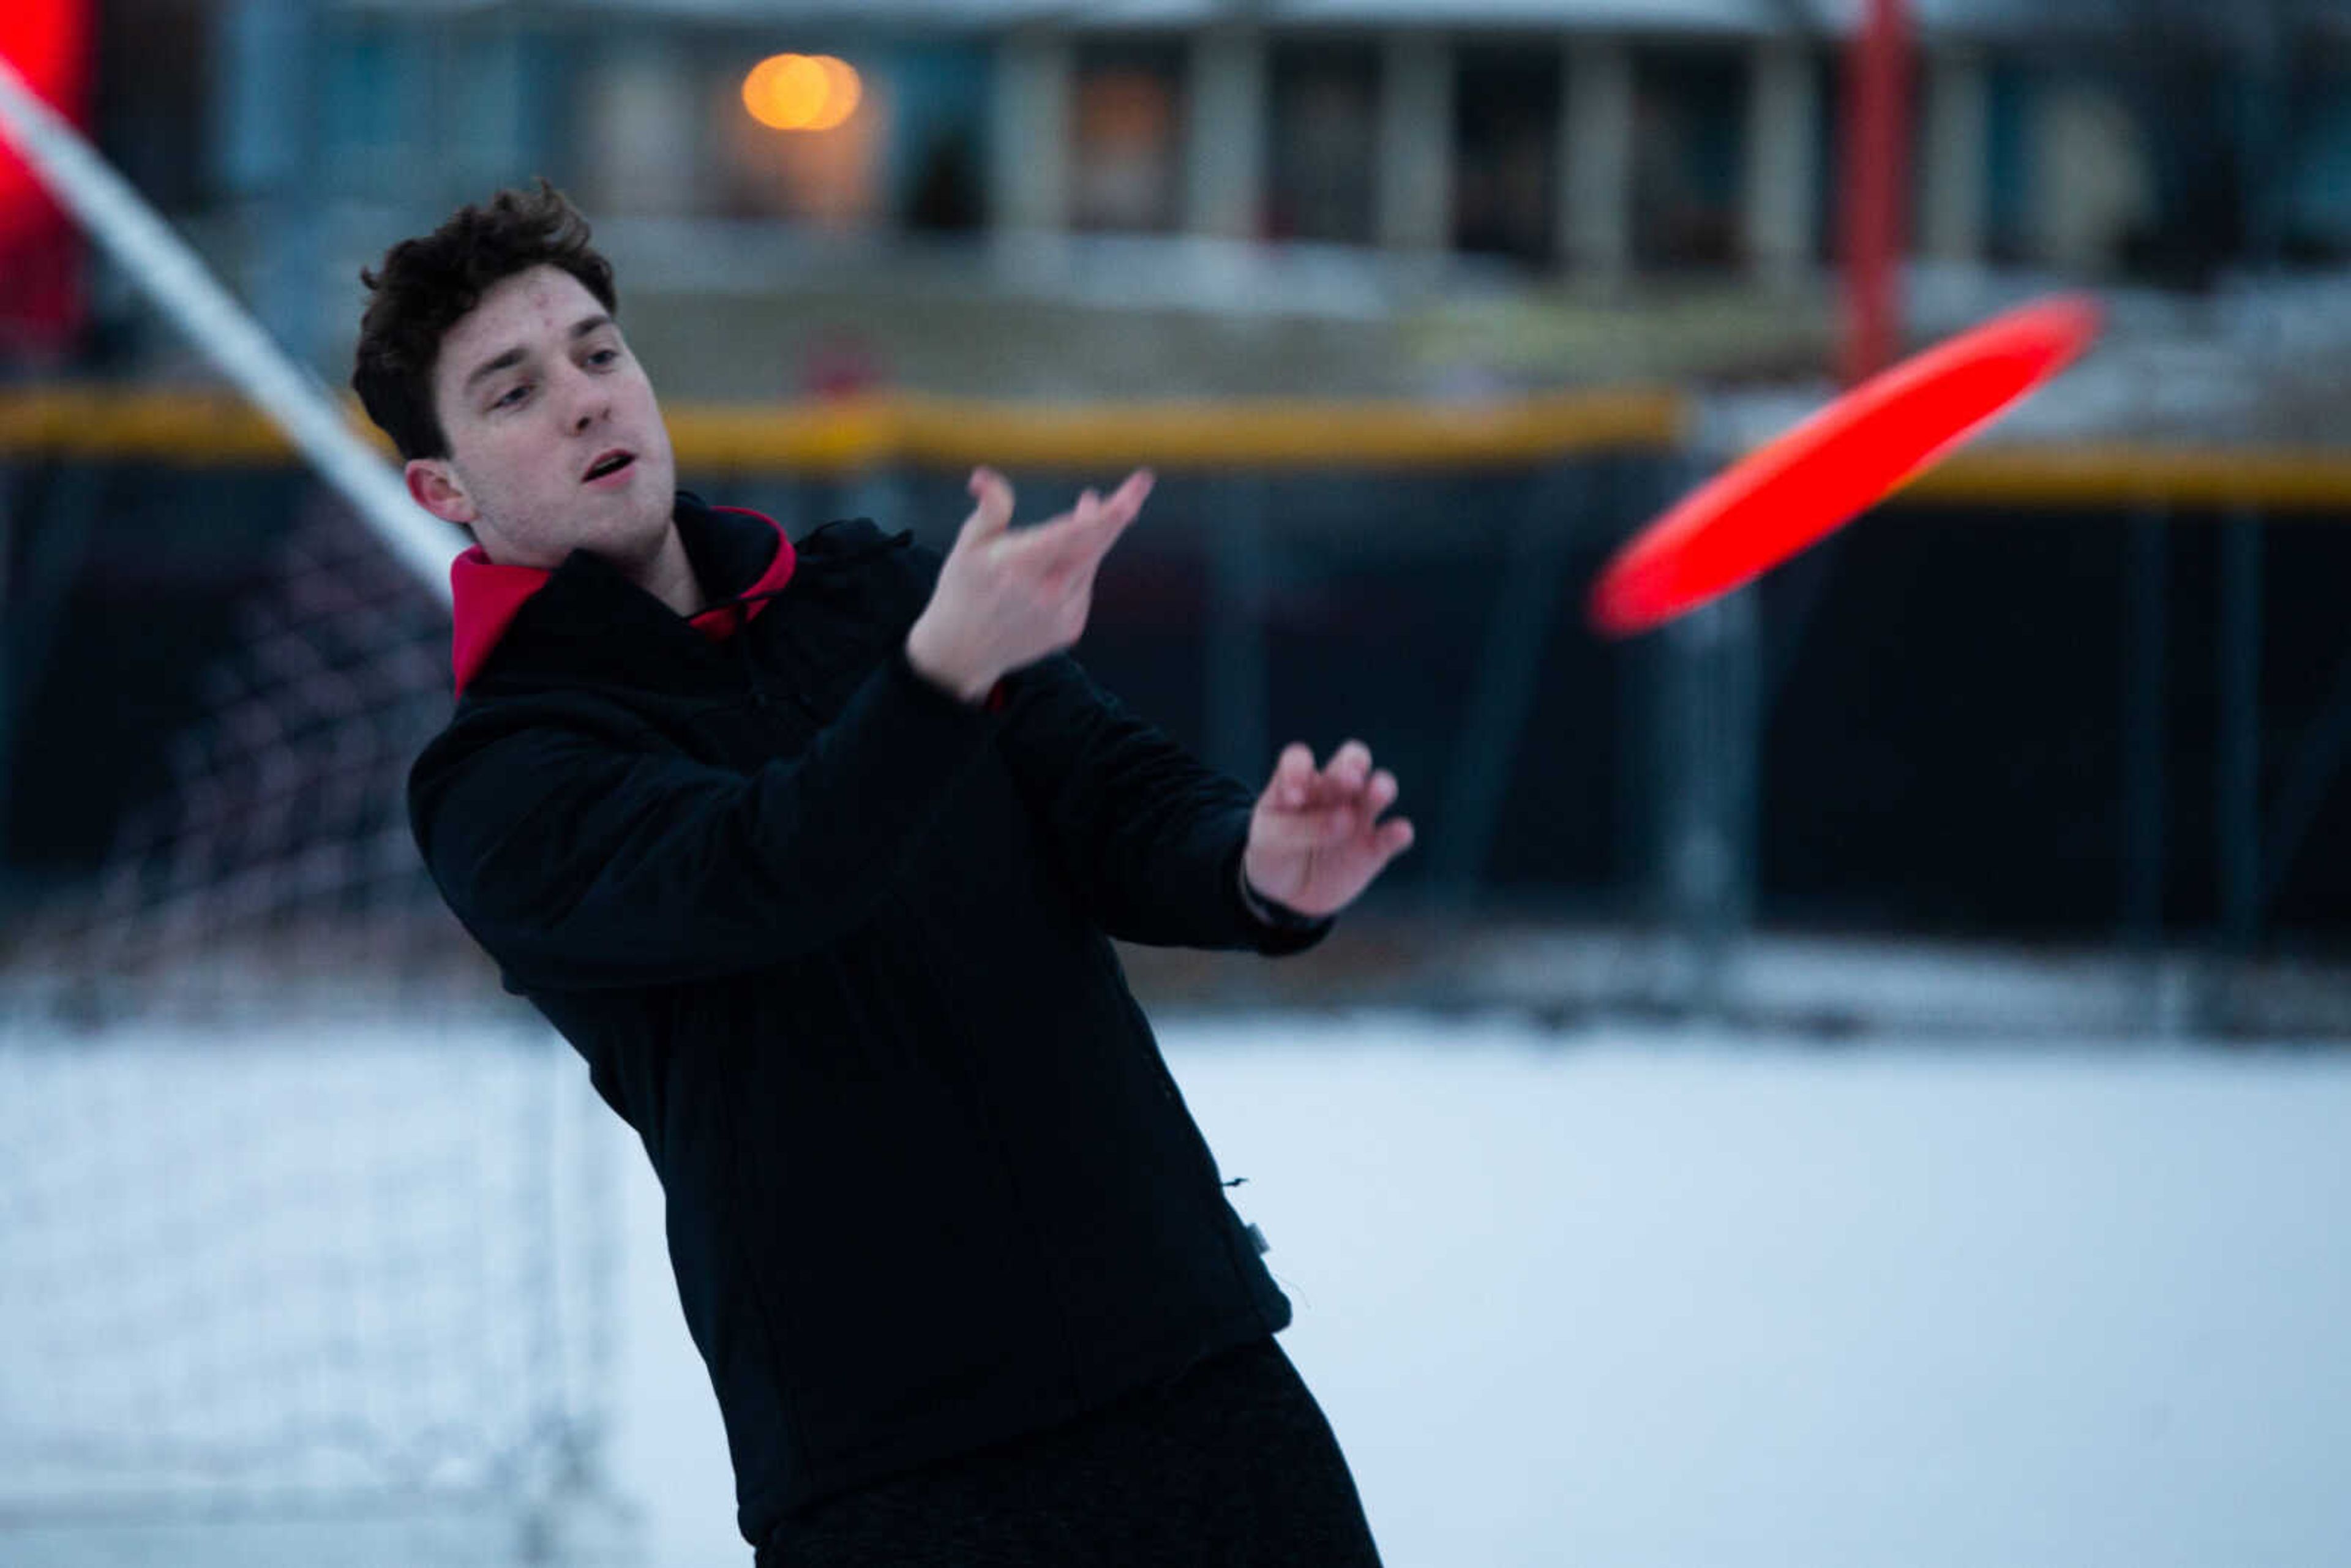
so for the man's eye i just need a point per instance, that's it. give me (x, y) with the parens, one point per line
(513, 396)
(604, 357)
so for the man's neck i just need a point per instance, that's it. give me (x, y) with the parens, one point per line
(669, 576)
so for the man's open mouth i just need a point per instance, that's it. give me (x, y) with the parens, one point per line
(609, 464)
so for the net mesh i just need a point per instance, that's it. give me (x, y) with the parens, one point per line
(298, 1212)
(278, 854)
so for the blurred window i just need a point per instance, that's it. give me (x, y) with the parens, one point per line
(2008, 145)
(494, 101)
(154, 88)
(2093, 184)
(2317, 226)
(1689, 132)
(1325, 131)
(374, 68)
(1506, 113)
(1127, 125)
(642, 103)
(937, 155)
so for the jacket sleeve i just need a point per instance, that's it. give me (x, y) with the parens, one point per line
(580, 860)
(1150, 837)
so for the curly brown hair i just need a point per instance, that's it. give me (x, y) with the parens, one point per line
(428, 284)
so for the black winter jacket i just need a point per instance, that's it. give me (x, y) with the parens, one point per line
(837, 946)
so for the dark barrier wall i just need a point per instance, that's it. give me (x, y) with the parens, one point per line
(123, 580)
(1971, 719)
(1985, 721)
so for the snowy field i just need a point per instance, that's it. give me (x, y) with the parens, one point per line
(1626, 1297)
(1661, 1300)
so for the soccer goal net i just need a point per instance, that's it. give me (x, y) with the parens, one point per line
(299, 1215)
(306, 1239)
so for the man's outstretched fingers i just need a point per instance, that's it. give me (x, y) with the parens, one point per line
(1352, 765)
(1294, 774)
(1093, 528)
(1064, 540)
(1093, 536)
(1094, 522)
(1128, 498)
(994, 513)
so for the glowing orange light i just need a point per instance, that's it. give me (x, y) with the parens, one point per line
(847, 92)
(802, 92)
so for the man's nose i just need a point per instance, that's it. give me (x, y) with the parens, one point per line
(588, 401)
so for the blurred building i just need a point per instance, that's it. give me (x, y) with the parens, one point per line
(1377, 149)
(2124, 709)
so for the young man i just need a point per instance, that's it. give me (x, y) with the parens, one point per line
(813, 849)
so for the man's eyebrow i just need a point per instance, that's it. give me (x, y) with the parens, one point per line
(489, 368)
(516, 355)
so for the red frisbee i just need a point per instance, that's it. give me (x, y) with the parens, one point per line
(1797, 489)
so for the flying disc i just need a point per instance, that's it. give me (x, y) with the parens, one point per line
(1805, 485)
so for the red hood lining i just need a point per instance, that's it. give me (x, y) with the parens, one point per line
(488, 596)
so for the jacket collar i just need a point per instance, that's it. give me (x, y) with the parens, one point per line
(741, 558)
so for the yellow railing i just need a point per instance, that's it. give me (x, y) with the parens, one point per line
(203, 429)
(2107, 476)
(195, 429)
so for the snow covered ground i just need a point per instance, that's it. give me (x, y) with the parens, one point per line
(1627, 1296)
(1661, 1299)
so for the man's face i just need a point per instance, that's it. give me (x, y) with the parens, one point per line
(538, 393)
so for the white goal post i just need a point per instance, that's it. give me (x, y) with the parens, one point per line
(307, 1232)
(163, 265)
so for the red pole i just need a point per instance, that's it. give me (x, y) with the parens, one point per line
(1877, 180)
(49, 42)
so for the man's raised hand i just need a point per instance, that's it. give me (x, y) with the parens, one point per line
(1316, 840)
(1008, 597)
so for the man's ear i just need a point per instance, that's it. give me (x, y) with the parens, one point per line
(435, 486)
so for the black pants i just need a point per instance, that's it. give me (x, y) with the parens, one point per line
(1230, 1465)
